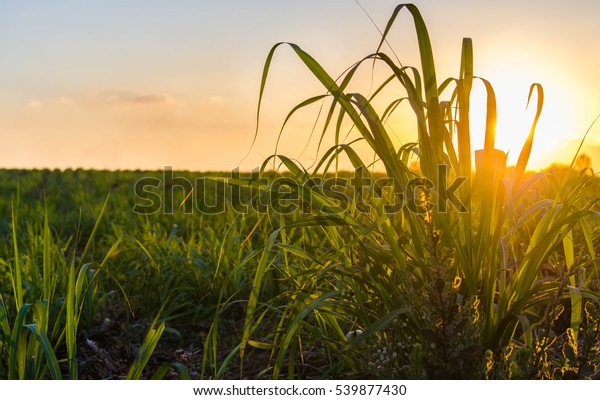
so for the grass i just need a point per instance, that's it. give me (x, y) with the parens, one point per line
(427, 260)
(497, 249)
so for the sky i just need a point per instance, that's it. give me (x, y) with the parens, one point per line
(148, 84)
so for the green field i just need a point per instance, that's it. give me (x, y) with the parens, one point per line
(443, 263)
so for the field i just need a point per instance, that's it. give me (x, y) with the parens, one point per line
(442, 262)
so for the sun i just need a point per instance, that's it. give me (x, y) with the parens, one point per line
(514, 118)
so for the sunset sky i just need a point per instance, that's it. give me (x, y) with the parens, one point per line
(146, 84)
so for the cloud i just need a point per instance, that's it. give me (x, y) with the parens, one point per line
(34, 104)
(132, 97)
(216, 99)
(103, 98)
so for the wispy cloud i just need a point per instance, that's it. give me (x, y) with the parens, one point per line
(34, 104)
(105, 97)
(129, 97)
(216, 99)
